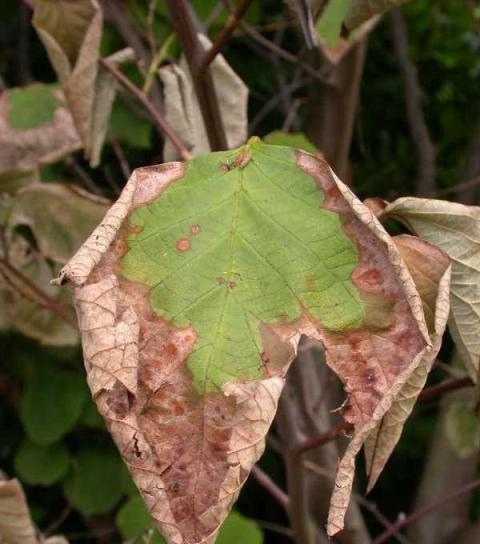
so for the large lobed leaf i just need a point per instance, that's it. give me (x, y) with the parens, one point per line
(192, 295)
(455, 229)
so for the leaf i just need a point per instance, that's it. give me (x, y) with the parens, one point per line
(51, 403)
(238, 529)
(462, 427)
(133, 520)
(16, 525)
(126, 127)
(337, 51)
(52, 238)
(329, 24)
(24, 310)
(35, 129)
(32, 106)
(362, 10)
(41, 465)
(105, 91)
(95, 485)
(72, 214)
(431, 270)
(192, 295)
(292, 139)
(11, 182)
(455, 229)
(71, 33)
(183, 112)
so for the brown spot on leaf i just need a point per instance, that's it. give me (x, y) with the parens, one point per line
(153, 180)
(195, 229)
(231, 285)
(243, 158)
(225, 166)
(220, 280)
(311, 284)
(135, 229)
(183, 244)
(170, 349)
(118, 399)
(120, 246)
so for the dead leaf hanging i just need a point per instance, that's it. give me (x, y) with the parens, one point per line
(431, 270)
(455, 228)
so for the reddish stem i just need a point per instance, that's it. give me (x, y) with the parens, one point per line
(233, 21)
(414, 516)
(269, 485)
(161, 123)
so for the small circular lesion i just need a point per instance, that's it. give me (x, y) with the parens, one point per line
(183, 245)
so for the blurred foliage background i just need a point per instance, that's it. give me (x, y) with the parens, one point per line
(51, 436)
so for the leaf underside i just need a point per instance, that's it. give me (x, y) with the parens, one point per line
(431, 269)
(455, 228)
(192, 296)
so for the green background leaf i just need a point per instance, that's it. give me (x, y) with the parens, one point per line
(32, 106)
(41, 465)
(330, 22)
(133, 520)
(52, 402)
(95, 485)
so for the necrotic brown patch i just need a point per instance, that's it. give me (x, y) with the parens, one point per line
(370, 359)
(195, 229)
(188, 435)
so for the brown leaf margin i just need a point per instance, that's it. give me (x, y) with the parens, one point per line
(382, 440)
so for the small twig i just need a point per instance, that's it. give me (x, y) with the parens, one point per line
(233, 21)
(429, 393)
(291, 114)
(152, 5)
(368, 505)
(162, 125)
(81, 174)
(469, 184)
(421, 512)
(446, 386)
(275, 528)
(273, 103)
(413, 96)
(187, 34)
(269, 485)
(122, 161)
(67, 510)
(383, 520)
(324, 438)
(284, 54)
(43, 300)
